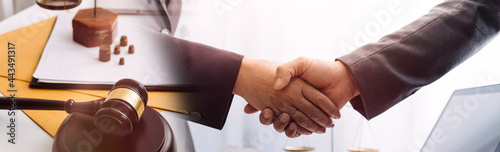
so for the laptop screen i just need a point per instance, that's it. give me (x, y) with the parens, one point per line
(469, 122)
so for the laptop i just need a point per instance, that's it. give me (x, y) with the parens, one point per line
(470, 122)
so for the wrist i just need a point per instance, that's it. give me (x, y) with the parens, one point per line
(239, 86)
(349, 77)
(254, 74)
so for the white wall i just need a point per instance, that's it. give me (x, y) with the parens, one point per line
(20, 5)
(10, 7)
(6, 8)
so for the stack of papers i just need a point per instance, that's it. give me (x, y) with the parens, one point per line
(66, 62)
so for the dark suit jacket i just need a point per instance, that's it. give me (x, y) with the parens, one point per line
(400, 63)
(211, 74)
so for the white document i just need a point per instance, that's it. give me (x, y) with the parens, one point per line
(129, 4)
(65, 61)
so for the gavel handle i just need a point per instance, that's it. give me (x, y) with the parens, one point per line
(31, 104)
(70, 106)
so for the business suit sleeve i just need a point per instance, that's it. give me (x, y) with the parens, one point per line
(211, 73)
(400, 63)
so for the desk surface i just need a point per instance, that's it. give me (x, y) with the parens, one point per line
(29, 136)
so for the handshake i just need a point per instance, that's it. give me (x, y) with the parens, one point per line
(300, 97)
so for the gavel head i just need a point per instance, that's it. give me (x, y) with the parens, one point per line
(122, 109)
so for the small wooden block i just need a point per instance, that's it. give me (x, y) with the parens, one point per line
(104, 53)
(122, 61)
(123, 41)
(131, 49)
(117, 49)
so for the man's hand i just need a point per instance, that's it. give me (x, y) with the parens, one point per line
(266, 118)
(308, 107)
(332, 78)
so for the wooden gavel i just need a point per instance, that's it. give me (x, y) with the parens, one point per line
(122, 108)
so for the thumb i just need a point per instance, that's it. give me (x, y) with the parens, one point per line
(249, 109)
(288, 70)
